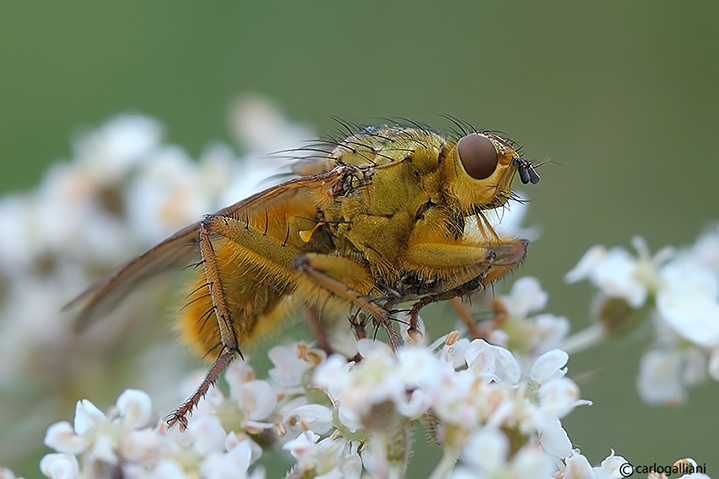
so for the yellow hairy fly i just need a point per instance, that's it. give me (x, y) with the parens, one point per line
(389, 215)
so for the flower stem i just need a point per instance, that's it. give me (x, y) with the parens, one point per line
(446, 464)
(584, 339)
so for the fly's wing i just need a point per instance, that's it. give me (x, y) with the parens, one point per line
(177, 251)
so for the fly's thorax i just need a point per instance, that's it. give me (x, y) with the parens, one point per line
(379, 146)
(479, 170)
(377, 218)
(395, 170)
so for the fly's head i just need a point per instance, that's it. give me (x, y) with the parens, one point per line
(480, 170)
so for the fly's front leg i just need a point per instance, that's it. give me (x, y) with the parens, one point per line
(324, 271)
(452, 295)
(460, 269)
(313, 321)
(465, 314)
(358, 323)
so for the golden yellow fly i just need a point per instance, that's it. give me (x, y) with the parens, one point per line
(390, 215)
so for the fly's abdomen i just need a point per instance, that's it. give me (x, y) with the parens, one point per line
(255, 256)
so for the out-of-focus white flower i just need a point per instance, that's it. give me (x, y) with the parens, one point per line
(19, 240)
(289, 366)
(507, 221)
(689, 302)
(6, 473)
(230, 464)
(684, 287)
(613, 467)
(314, 417)
(167, 196)
(714, 364)
(118, 145)
(666, 370)
(259, 125)
(59, 466)
(705, 251)
(326, 458)
(135, 408)
(525, 297)
(619, 275)
(528, 335)
(659, 379)
(486, 456)
(674, 363)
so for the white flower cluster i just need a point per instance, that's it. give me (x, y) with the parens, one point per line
(121, 443)
(337, 417)
(679, 291)
(477, 399)
(341, 419)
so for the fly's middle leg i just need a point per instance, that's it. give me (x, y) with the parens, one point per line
(326, 270)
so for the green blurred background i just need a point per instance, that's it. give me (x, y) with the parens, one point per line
(623, 95)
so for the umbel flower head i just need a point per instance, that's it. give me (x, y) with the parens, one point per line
(678, 290)
(361, 405)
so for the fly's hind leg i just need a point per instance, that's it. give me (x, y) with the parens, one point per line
(256, 247)
(180, 414)
(228, 337)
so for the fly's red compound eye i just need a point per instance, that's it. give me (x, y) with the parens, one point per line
(478, 156)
